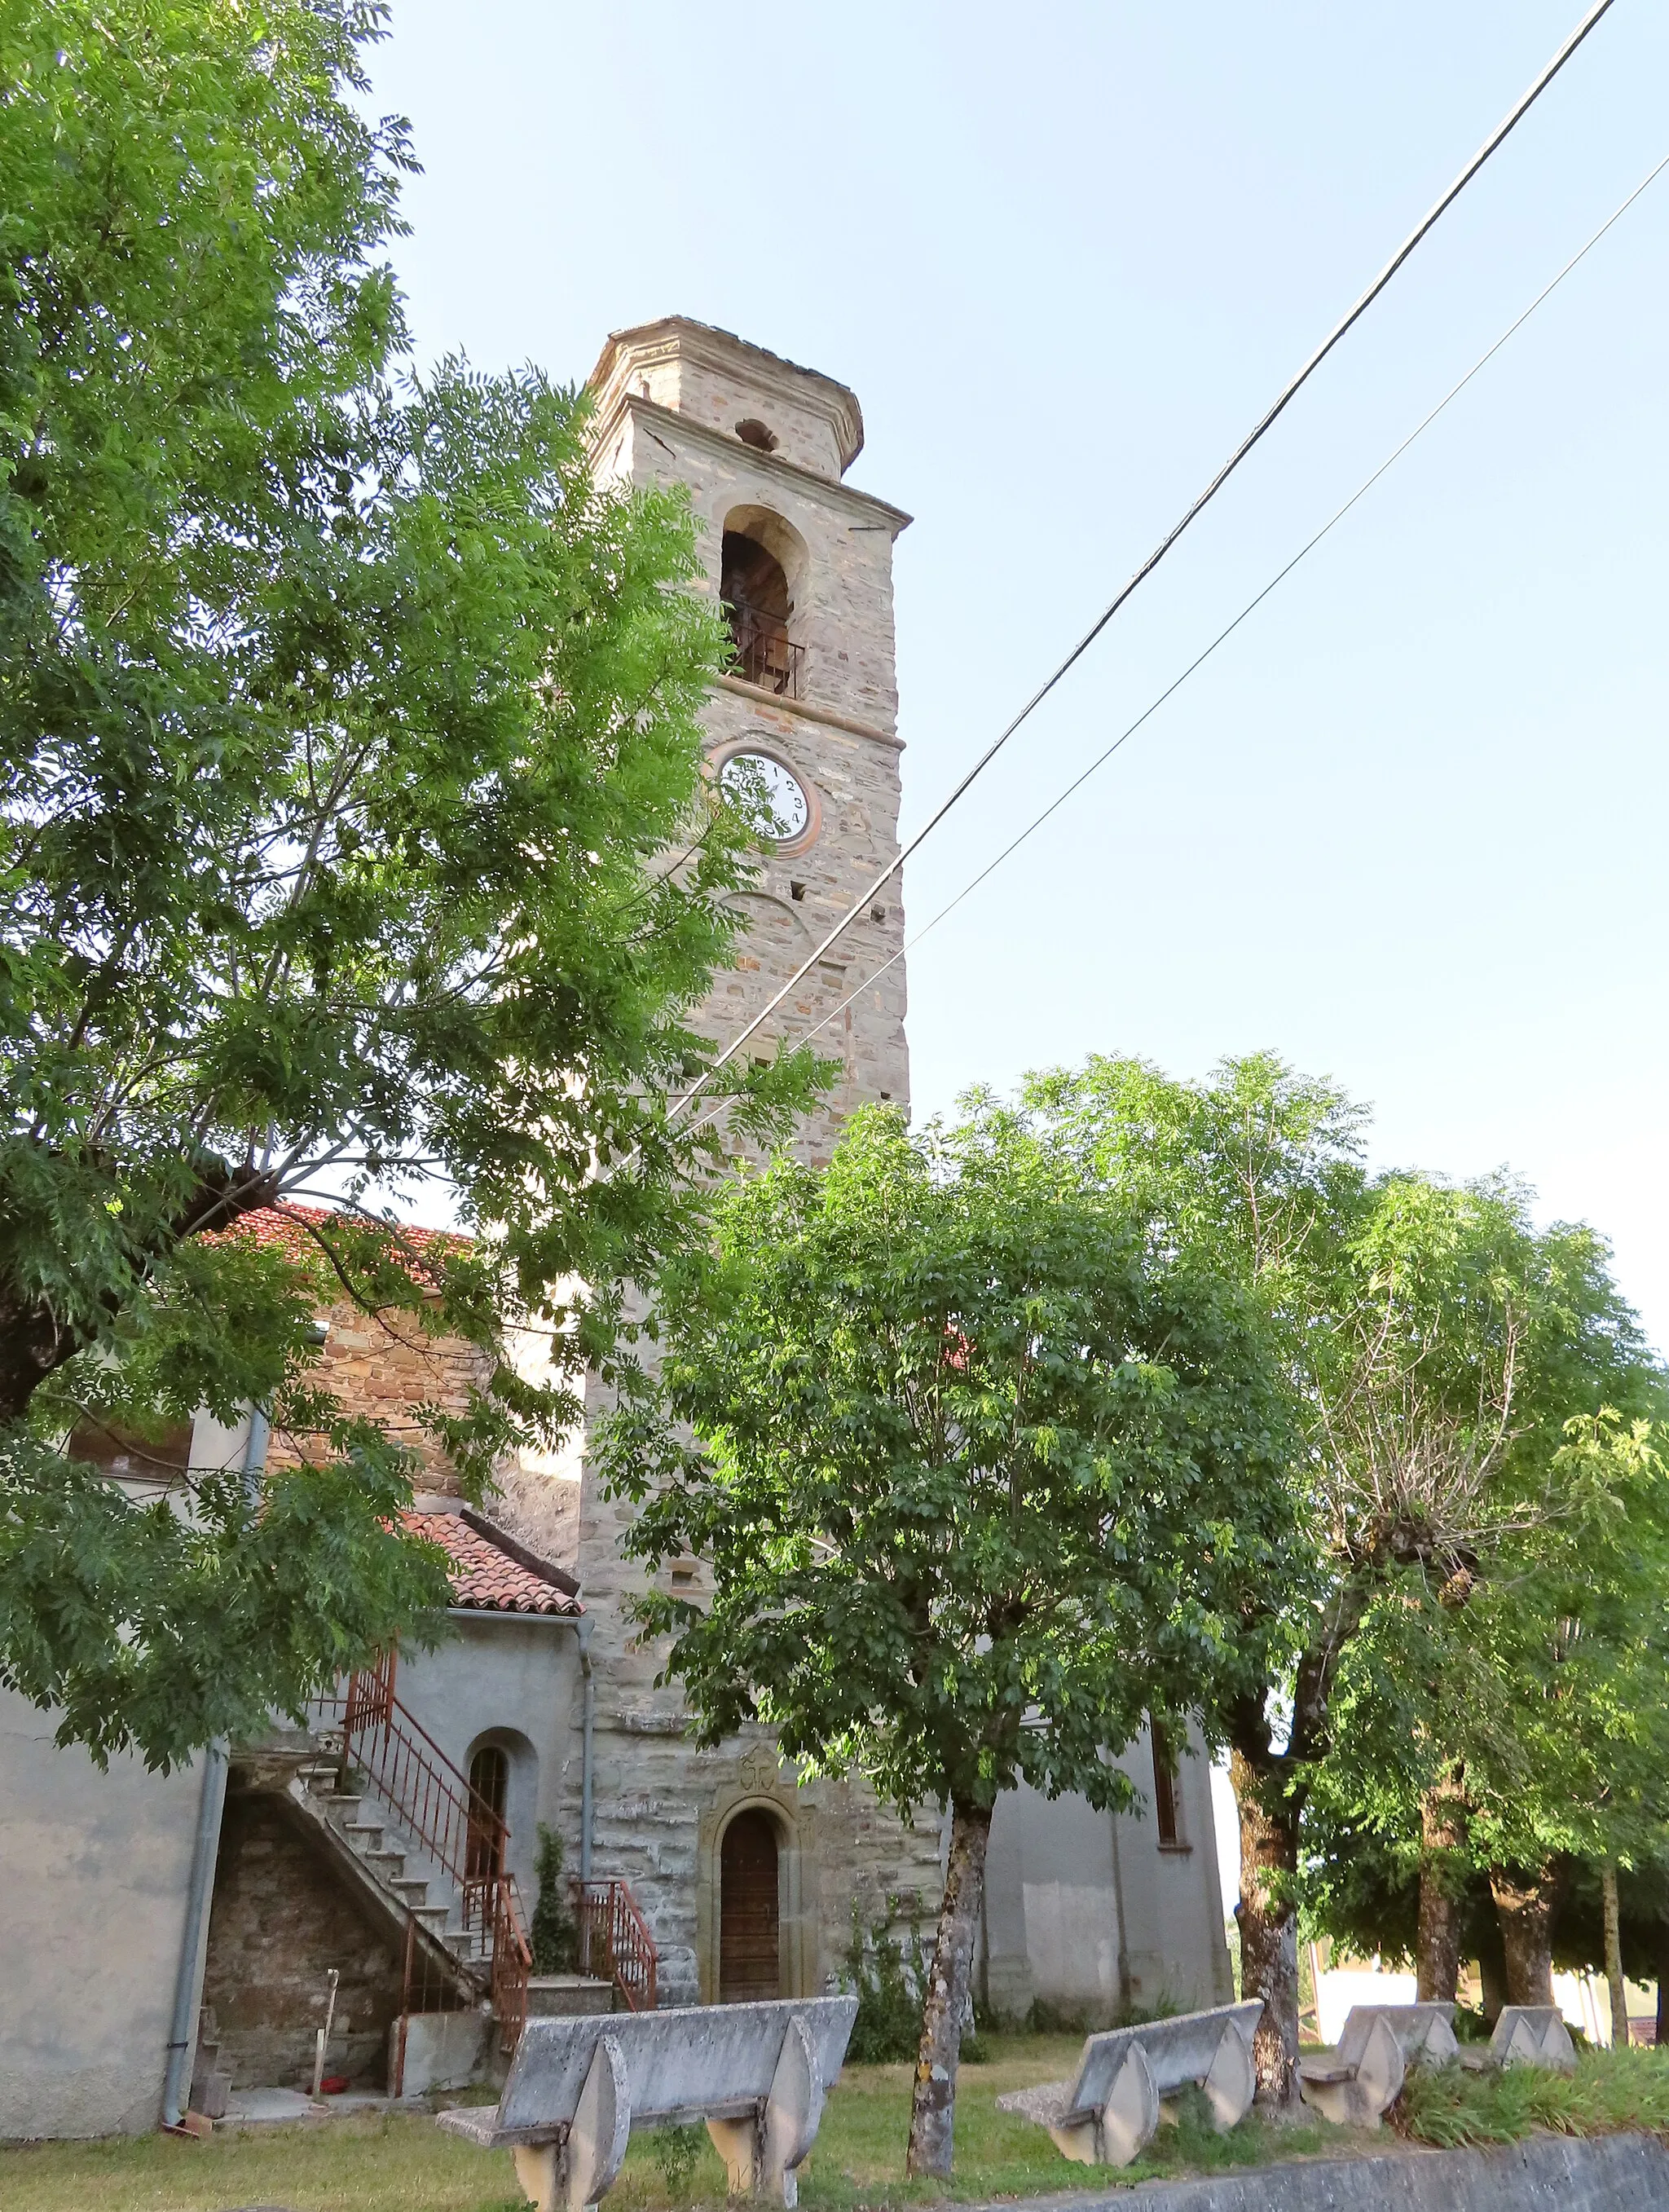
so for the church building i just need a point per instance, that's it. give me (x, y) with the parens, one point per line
(1086, 1914)
(125, 1895)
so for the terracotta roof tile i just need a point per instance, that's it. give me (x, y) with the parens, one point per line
(286, 1226)
(490, 1571)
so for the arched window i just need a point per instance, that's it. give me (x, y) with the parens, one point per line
(754, 583)
(489, 1781)
(1164, 1790)
(750, 1911)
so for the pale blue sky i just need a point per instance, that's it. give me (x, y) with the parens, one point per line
(1407, 828)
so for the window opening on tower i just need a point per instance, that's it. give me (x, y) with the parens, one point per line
(754, 587)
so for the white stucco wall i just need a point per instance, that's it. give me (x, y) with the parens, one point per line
(1068, 1889)
(94, 1870)
(512, 1679)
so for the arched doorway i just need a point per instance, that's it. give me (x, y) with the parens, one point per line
(750, 1909)
(489, 1784)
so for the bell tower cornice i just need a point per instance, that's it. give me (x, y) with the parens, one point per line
(712, 377)
(604, 422)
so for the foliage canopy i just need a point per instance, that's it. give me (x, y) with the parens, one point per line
(345, 734)
(980, 1480)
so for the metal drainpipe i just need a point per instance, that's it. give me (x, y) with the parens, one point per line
(205, 1850)
(584, 1631)
(1125, 1991)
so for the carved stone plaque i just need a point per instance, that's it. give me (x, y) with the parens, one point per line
(756, 1771)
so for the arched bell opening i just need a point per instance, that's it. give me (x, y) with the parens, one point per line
(761, 564)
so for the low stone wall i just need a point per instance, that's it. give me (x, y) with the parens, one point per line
(282, 1916)
(1548, 2173)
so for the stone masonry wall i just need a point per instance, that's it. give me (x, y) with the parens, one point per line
(384, 1369)
(659, 1804)
(712, 379)
(281, 1919)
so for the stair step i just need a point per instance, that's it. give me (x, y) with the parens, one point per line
(433, 1918)
(364, 1835)
(390, 1865)
(413, 1887)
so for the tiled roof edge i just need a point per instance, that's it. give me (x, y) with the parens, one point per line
(558, 1578)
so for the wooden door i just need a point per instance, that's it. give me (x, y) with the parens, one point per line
(748, 1913)
(489, 1781)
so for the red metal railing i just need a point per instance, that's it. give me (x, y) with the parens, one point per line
(764, 655)
(441, 1811)
(409, 1771)
(616, 1944)
(493, 1905)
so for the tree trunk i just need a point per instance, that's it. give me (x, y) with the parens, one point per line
(933, 2109)
(1524, 1907)
(1614, 1983)
(1269, 1933)
(35, 1342)
(1491, 1967)
(33, 1345)
(1443, 1874)
(1662, 1964)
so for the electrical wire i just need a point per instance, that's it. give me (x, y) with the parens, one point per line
(1223, 635)
(1288, 394)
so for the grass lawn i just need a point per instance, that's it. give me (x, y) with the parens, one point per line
(375, 2164)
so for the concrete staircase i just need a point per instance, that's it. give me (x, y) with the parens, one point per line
(211, 2084)
(368, 1840)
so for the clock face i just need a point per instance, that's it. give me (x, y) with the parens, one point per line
(770, 794)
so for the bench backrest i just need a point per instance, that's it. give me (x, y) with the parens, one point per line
(685, 2062)
(1411, 2024)
(1546, 2026)
(1178, 2050)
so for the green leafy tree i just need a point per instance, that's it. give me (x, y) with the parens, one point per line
(1434, 1345)
(1501, 1726)
(1490, 1526)
(981, 1477)
(1255, 1175)
(354, 842)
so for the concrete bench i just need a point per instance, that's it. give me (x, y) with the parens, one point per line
(577, 2088)
(1111, 2109)
(1532, 2035)
(1379, 2044)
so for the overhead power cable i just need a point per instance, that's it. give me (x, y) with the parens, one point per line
(1288, 394)
(1225, 634)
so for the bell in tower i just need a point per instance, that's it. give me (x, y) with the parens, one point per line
(805, 719)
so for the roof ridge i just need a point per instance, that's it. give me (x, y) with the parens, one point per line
(522, 1554)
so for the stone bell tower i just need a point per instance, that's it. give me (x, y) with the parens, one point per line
(802, 563)
(748, 1879)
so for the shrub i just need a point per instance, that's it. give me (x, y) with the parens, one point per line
(889, 2022)
(1448, 2105)
(675, 2150)
(554, 1938)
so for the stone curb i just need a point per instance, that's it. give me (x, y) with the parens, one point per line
(1544, 2173)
